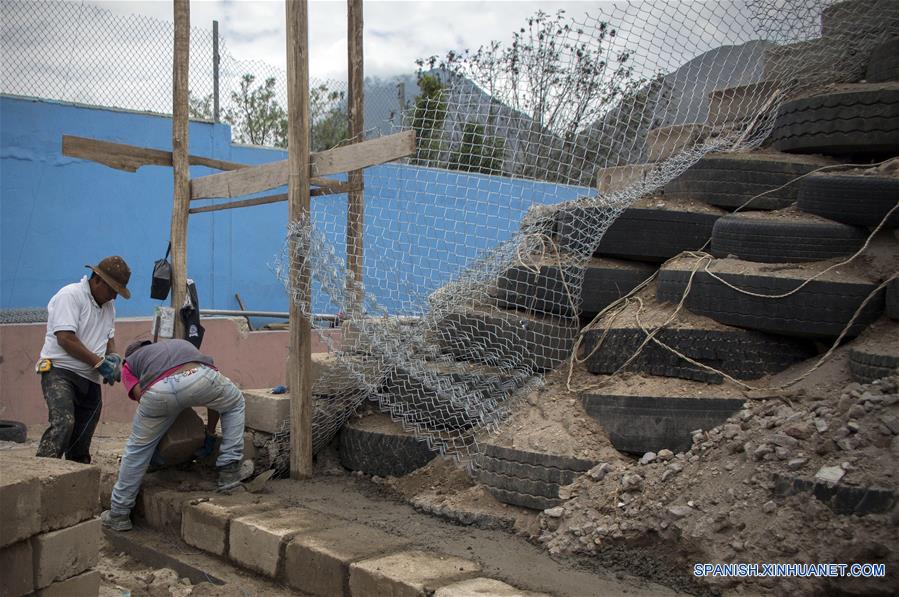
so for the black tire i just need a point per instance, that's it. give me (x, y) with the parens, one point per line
(862, 120)
(640, 424)
(604, 282)
(853, 200)
(13, 431)
(867, 365)
(821, 309)
(892, 300)
(491, 336)
(641, 234)
(842, 499)
(35, 315)
(740, 353)
(776, 240)
(526, 478)
(883, 65)
(383, 453)
(730, 180)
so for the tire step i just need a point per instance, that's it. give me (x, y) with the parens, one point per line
(649, 423)
(376, 445)
(875, 354)
(856, 200)
(842, 499)
(821, 309)
(783, 237)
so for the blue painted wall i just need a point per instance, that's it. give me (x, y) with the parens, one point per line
(58, 214)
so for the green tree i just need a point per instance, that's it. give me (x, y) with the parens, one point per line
(199, 108)
(327, 111)
(477, 152)
(255, 115)
(428, 118)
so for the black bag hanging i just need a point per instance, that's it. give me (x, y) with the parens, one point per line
(190, 316)
(162, 277)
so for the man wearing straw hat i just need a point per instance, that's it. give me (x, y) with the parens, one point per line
(78, 353)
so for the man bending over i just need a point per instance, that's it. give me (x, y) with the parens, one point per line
(166, 378)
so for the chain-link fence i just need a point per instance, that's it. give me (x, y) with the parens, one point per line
(76, 52)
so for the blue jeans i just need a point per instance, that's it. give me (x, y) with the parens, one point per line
(158, 409)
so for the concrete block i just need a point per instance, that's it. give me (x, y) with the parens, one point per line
(183, 439)
(206, 525)
(83, 585)
(266, 411)
(483, 587)
(16, 569)
(70, 492)
(160, 508)
(408, 574)
(257, 541)
(20, 502)
(61, 554)
(319, 563)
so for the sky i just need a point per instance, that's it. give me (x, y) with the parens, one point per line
(395, 33)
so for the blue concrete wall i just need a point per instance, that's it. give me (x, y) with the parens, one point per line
(58, 214)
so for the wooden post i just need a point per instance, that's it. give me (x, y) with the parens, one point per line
(356, 202)
(180, 163)
(300, 350)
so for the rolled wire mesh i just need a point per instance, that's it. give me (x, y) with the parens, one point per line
(476, 246)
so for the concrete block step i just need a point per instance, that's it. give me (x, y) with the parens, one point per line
(408, 573)
(258, 541)
(741, 103)
(82, 585)
(65, 553)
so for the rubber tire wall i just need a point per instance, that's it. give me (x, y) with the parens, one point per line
(852, 200)
(382, 453)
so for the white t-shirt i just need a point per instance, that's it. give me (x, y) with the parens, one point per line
(74, 309)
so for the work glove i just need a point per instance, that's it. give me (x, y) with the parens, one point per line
(206, 450)
(110, 368)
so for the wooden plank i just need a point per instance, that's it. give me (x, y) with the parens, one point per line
(355, 202)
(269, 199)
(180, 163)
(269, 176)
(299, 373)
(131, 157)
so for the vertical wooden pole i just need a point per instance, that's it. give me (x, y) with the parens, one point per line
(180, 164)
(216, 62)
(300, 351)
(356, 201)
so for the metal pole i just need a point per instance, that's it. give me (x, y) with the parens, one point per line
(216, 61)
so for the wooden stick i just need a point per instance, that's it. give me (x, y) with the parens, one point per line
(131, 157)
(180, 162)
(355, 220)
(267, 199)
(299, 378)
(269, 176)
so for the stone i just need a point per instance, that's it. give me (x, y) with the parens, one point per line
(796, 463)
(206, 525)
(599, 472)
(679, 511)
(853, 426)
(266, 411)
(63, 553)
(16, 569)
(183, 439)
(70, 491)
(557, 512)
(256, 540)
(160, 508)
(647, 458)
(891, 422)
(319, 563)
(830, 474)
(82, 585)
(20, 502)
(631, 482)
(408, 573)
(483, 587)
(821, 425)
(769, 507)
(783, 440)
(798, 430)
(665, 454)
(856, 411)
(782, 453)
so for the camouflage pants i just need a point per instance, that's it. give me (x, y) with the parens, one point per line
(74, 405)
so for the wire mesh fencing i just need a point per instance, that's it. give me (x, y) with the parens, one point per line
(525, 154)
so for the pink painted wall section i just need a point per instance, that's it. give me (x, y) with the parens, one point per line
(249, 359)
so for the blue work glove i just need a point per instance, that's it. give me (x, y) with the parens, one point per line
(206, 450)
(110, 368)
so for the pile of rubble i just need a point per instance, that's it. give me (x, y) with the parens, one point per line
(744, 492)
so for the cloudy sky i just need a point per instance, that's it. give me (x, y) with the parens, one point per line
(396, 32)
